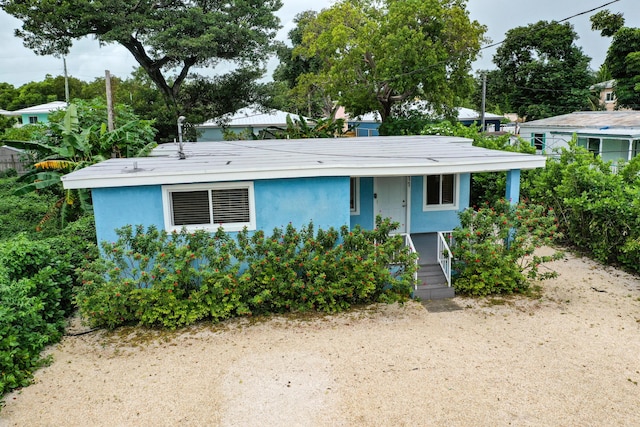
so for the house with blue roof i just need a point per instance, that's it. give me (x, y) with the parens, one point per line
(421, 182)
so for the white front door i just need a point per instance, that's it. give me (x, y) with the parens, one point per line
(391, 200)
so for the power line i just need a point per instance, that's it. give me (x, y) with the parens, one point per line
(562, 20)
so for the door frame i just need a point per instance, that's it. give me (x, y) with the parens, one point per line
(407, 210)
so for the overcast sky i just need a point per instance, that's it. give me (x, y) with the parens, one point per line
(87, 60)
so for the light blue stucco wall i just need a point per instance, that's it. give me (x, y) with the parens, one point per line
(116, 207)
(437, 220)
(365, 218)
(325, 201)
(42, 118)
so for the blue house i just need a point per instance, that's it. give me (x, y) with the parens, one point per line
(38, 113)
(422, 182)
(368, 124)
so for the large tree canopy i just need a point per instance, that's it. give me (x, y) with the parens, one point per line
(541, 71)
(375, 54)
(167, 37)
(623, 57)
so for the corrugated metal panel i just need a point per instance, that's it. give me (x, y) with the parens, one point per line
(588, 119)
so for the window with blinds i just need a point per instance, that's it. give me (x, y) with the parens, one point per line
(209, 206)
(440, 190)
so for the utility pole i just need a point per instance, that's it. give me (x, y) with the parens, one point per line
(66, 81)
(484, 100)
(110, 114)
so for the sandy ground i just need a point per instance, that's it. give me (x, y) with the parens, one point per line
(570, 358)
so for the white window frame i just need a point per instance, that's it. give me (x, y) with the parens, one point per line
(356, 209)
(232, 226)
(33, 120)
(441, 206)
(610, 97)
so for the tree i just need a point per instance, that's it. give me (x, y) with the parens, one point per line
(543, 72)
(291, 90)
(377, 54)
(623, 57)
(162, 36)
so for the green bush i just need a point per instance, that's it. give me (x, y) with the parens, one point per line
(30, 319)
(151, 277)
(598, 208)
(494, 248)
(22, 214)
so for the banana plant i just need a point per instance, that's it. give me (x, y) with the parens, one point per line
(70, 147)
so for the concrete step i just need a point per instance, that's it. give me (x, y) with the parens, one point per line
(431, 275)
(434, 292)
(432, 283)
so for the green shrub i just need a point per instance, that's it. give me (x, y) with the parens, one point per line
(30, 319)
(151, 277)
(22, 214)
(23, 258)
(597, 208)
(494, 248)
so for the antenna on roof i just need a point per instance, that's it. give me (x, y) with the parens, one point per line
(180, 151)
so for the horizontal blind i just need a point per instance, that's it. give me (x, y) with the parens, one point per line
(230, 205)
(448, 185)
(190, 207)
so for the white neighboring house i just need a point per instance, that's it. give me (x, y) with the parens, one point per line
(252, 119)
(613, 135)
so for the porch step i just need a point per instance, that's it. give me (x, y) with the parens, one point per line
(425, 292)
(432, 283)
(431, 274)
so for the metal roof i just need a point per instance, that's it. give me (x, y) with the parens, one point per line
(469, 114)
(251, 116)
(589, 119)
(42, 108)
(464, 114)
(615, 132)
(270, 159)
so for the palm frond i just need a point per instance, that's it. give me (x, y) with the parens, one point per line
(146, 150)
(50, 214)
(55, 164)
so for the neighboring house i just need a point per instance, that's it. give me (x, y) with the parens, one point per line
(365, 125)
(368, 124)
(420, 181)
(614, 135)
(605, 91)
(12, 158)
(250, 119)
(38, 113)
(468, 117)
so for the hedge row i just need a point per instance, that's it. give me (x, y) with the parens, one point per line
(151, 277)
